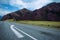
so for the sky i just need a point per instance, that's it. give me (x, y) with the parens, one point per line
(8, 6)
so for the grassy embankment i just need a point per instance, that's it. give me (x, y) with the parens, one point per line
(53, 24)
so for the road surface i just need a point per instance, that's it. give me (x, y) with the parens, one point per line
(14, 31)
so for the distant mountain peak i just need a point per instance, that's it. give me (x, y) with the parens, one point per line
(24, 9)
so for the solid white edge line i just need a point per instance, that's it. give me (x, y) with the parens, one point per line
(26, 34)
(19, 35)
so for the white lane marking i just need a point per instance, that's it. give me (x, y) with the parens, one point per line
(19, 35)
(26, 33)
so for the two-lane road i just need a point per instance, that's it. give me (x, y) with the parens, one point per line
(14, 31)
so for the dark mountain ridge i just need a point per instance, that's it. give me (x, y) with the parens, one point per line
(50, 12)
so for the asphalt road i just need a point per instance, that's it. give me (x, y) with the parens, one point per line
(14, 31)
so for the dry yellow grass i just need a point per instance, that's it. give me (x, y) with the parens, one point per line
(54, 24)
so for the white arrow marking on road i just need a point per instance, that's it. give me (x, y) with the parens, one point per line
(26, 34)
(19, 35)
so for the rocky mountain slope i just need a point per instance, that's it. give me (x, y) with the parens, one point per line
(50, 12)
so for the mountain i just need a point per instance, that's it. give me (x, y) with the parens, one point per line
(50, 12)
(23, 14)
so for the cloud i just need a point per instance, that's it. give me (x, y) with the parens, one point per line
(35, 4)
(18, 3)
(13, 4)
(38, 4)
(29, 4)
(28, 1)
(3, 11)
(4, 1)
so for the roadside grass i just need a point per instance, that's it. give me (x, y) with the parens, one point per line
(52, 24)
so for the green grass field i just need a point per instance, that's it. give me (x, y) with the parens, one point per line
(53, 24)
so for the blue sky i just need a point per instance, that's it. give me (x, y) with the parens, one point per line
(7, 6)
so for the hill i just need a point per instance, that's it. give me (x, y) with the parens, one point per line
(50, 12)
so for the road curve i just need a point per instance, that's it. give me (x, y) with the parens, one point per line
(27, 32)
